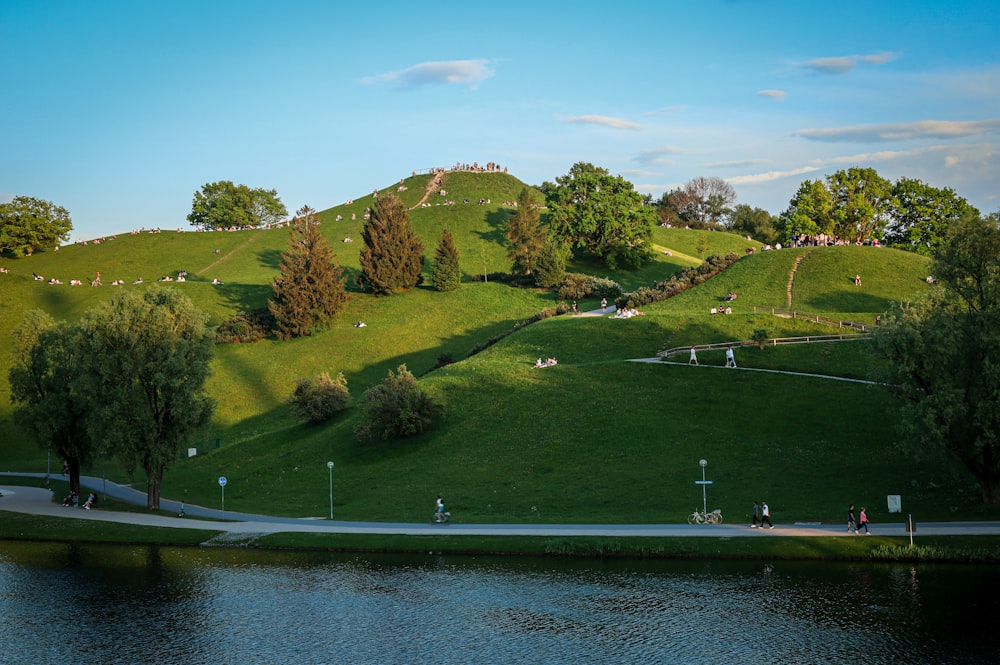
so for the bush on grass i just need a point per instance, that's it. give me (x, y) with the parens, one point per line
(320, 398)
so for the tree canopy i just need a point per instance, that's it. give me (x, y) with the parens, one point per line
(223, 205)
(393, 256)
(311, 289)
(944, 354)
(146, 362)
(923, 214)
(45, 388)
(28, 224)
(602, 214)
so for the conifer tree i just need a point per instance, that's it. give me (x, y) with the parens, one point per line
(447, 274)
(550, 267)
(526, 235)
(393, 255)
(310, 291)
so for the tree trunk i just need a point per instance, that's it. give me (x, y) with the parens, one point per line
(991, 490)
(154, 477)
(74, 475)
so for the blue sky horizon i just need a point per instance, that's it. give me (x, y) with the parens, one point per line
(120, 111)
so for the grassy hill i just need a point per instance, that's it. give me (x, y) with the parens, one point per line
(595, 438)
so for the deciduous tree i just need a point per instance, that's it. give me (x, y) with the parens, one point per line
(447, 272)
(146, 359)
(45, 388)
(393, 256)
(310, 291)
(709, 200)
(28, 224)
(222, 205)
(862, 202)
(810, 212)
(922, 215)
(944, 355)
(603, 214)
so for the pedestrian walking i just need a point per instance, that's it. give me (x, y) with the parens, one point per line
(765, 515)
(604, 305)
(576, 310)
(756, 515)
(863, 523)
(730, 358)
(694, 357)
(852, 526)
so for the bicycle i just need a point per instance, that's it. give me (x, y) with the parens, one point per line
(700, 517)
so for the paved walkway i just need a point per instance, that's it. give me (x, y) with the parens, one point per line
(38, 501)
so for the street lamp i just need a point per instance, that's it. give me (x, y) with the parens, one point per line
(704, 483)
(329, 465)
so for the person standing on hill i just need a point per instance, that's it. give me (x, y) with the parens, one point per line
(694, 357)
(604, 305)
(730, 358)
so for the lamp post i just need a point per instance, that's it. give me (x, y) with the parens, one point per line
(329, 465)
(704, 483)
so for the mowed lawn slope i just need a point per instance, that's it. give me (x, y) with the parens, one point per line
(595, 438)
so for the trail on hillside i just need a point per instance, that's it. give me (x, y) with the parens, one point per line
(433, 185)
(791, 276)
(226, 256)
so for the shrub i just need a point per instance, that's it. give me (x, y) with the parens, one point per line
(576, 286)
(320, 398)
(681, 280)
(397, 408)
(760, 336)
(245, 327)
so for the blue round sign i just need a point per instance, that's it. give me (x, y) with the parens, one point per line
(222, 481)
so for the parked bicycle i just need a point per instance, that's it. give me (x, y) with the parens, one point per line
(700, 517)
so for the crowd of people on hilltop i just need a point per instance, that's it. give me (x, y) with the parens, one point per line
(827, 240)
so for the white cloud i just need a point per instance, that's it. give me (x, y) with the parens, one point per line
(667, 110)
(657, 156)
(776, 95)
(638, 173)
(845, 63)
(469, 73)
(757, 178)
(738, 163)
(938, 129)
(607, 121)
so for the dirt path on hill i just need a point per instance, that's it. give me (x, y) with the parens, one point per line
(432, 188)
(227, 255)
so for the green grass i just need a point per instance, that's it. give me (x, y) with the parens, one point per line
(595, 439)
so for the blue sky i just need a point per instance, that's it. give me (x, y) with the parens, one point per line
(121, 111)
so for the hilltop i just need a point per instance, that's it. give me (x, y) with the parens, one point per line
(595, 438)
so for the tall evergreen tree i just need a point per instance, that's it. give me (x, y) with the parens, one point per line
(550, 267)
(393, 255)
(311, 289)
(447, 274)
(526, 235)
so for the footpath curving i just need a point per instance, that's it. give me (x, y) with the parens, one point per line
(39, 501)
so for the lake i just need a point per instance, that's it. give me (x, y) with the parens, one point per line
(113, 604)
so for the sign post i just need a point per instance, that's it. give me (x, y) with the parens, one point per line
(222, 484)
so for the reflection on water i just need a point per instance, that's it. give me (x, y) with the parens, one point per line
(66, 603)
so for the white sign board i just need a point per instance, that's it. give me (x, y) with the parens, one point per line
(895, 503)
(192, 452)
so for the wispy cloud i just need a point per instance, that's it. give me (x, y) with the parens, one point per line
(607, 121)
(937, 129)
(739, 163)
(845, 63)
(776, 95)
(667, 110)
(757, 178)
(469, 73)
(638, 173)
(657, 156)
